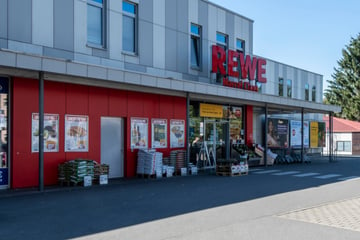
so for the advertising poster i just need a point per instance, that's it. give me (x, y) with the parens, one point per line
(321, 134)
(158, 133)
(4, 181)
(76, 133)
(139, 133)
(278, 132)
(314, 134)
(295, 133)
(177, 133)
(51, 132)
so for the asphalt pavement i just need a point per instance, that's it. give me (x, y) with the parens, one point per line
(320, 200)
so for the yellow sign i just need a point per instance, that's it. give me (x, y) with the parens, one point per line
(314, 132)
(211, 110)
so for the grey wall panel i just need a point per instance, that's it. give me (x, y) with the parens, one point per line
(146, 43)
(206, 50)
(182, 54)
(170, 14)
(58, 53)
(183, 16)
(203, 18)
(3, 43)
(191, 77)
(251, 38)
(135, 67)
(19, 20)
(3, 18)
(64, 24)
(170, 49)
(230, 29)
(146, 10)
(102, 53)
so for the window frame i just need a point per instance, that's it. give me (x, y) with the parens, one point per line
(345, 146)
(289, 88)
(225, 46)
(313, 93)
(133, 16)
(281, 86)
(198, 37)
(307, 91)
(102, 7)
(242, 50)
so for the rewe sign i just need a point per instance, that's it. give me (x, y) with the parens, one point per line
(239, 67)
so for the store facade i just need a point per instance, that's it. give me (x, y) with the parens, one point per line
(131, 75)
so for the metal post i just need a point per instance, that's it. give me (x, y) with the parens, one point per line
(302, 135)
(331, 137)
(41, 131)
(187, 129)
(265, 135)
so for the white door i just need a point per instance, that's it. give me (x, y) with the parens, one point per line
(112, 145)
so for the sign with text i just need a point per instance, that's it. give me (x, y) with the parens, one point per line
(211, 110)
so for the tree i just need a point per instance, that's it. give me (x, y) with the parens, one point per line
(344, 89)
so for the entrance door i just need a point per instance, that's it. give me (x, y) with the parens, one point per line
(112, 145)
(216, 136)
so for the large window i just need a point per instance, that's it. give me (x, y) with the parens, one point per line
(129, 30)
(195, 46)
(95, 22)
(306, 92)
(281, 86)
(343, 146)
(222, 41)
(289, 88)
(313, 94)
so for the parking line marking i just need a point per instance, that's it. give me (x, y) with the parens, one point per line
(348, 178)
(306, 174)
(328, 176)
(285, 173)
(267, 171)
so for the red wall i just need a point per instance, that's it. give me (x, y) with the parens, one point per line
(62, 98)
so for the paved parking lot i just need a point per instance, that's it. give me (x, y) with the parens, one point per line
(269, 203)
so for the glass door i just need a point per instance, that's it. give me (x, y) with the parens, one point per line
(216, 136)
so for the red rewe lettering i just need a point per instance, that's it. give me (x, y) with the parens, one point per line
(261, 70)
(250, 66)
(233, 64)
(218, 59)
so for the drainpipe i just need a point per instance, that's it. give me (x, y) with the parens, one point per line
(41, 131)
(265, 135)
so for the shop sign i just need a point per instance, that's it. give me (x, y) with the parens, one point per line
(243, 70)
(177, 133)
(211, 110)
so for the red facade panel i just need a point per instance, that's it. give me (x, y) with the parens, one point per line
(62, 99)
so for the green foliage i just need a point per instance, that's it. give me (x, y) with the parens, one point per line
(344, 88)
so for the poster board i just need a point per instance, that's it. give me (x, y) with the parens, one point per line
(139, 133)
(295, 134)
(76, 133)
(51, 132)
(314, 132)
(158, 133)
(278, 133)
(177, 133)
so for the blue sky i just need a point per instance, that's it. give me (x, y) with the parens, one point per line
(309, 34)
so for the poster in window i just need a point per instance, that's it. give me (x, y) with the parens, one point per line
(314, 134)
(278, 132)
(76, 133)
(177, 133)
(321, 134)
(139, 133)
(158, 133)
(295, 133)
(51, 132)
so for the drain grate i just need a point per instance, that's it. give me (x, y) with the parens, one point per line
(342, 214)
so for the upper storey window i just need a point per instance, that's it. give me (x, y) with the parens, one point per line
(240, 45)
(307, 92)
(313, 94)
(129, 30)
(95, 22)
(281, 86)
(222, 40)
(195, 46)
(289, 88)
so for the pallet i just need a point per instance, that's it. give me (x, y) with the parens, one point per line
(146, 175)
(229, 174)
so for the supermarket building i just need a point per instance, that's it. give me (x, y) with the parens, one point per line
(108, 77)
